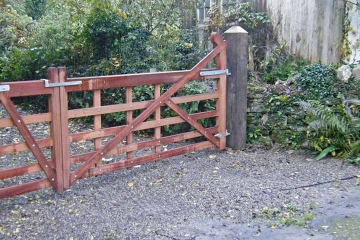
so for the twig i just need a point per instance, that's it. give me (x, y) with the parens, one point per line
(319, 183)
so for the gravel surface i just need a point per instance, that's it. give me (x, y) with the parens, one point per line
(209, 194)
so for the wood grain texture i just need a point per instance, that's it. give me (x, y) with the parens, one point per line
(237, 59)
(193, 122)
(64, 128)
(29, 139)
(97, 121)
(58, 168)
(221, 63)
(55, 129)
(87, 112)
(142, 126)
(129, 118)
(145, 144)
(146, 113)
(18, 171)
(157, 130)
(19, 147)
(149, 158)
(24, 188)
(29, 119)
(27, 88)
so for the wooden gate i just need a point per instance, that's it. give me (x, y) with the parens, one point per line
(61, 168)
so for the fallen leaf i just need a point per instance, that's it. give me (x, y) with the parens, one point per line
(234, 164)
(212, 156)
(131, 184)
(159, 180)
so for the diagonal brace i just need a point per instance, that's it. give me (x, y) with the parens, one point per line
(146, 113)
(184, 115)
(29, 139)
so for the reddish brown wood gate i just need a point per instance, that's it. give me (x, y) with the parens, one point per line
(61, 168)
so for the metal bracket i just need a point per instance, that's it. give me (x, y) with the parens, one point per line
(219, 135)
(214, 73)
(63, 84)
(4, 88)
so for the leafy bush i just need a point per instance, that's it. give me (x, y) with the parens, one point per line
(317, 82)
(332, 130)
(92, 38)
(280, 65)
(103, 33)
(257, 24)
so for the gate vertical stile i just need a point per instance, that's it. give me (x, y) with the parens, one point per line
(221, 102)
(97, 121)
(157, 130)
(129, 117)
(55, 129)
(64, 128)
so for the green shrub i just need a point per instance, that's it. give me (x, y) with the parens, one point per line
(332, 130)
(317, 82)
(280, 65)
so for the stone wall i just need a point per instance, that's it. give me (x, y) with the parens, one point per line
(269, 125)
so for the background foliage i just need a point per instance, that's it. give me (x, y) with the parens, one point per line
(103, 37)
(96, 37)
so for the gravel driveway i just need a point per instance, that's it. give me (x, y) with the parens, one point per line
(209, 194)
(204, 195)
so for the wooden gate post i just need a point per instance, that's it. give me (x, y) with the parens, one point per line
(64, 128)
(237, 60)
(55, 129)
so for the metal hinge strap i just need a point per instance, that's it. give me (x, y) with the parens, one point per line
(214, 73)
(63, 84)
(4, 88)
(219, 135)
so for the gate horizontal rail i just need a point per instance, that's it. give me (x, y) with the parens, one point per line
(60, 166)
